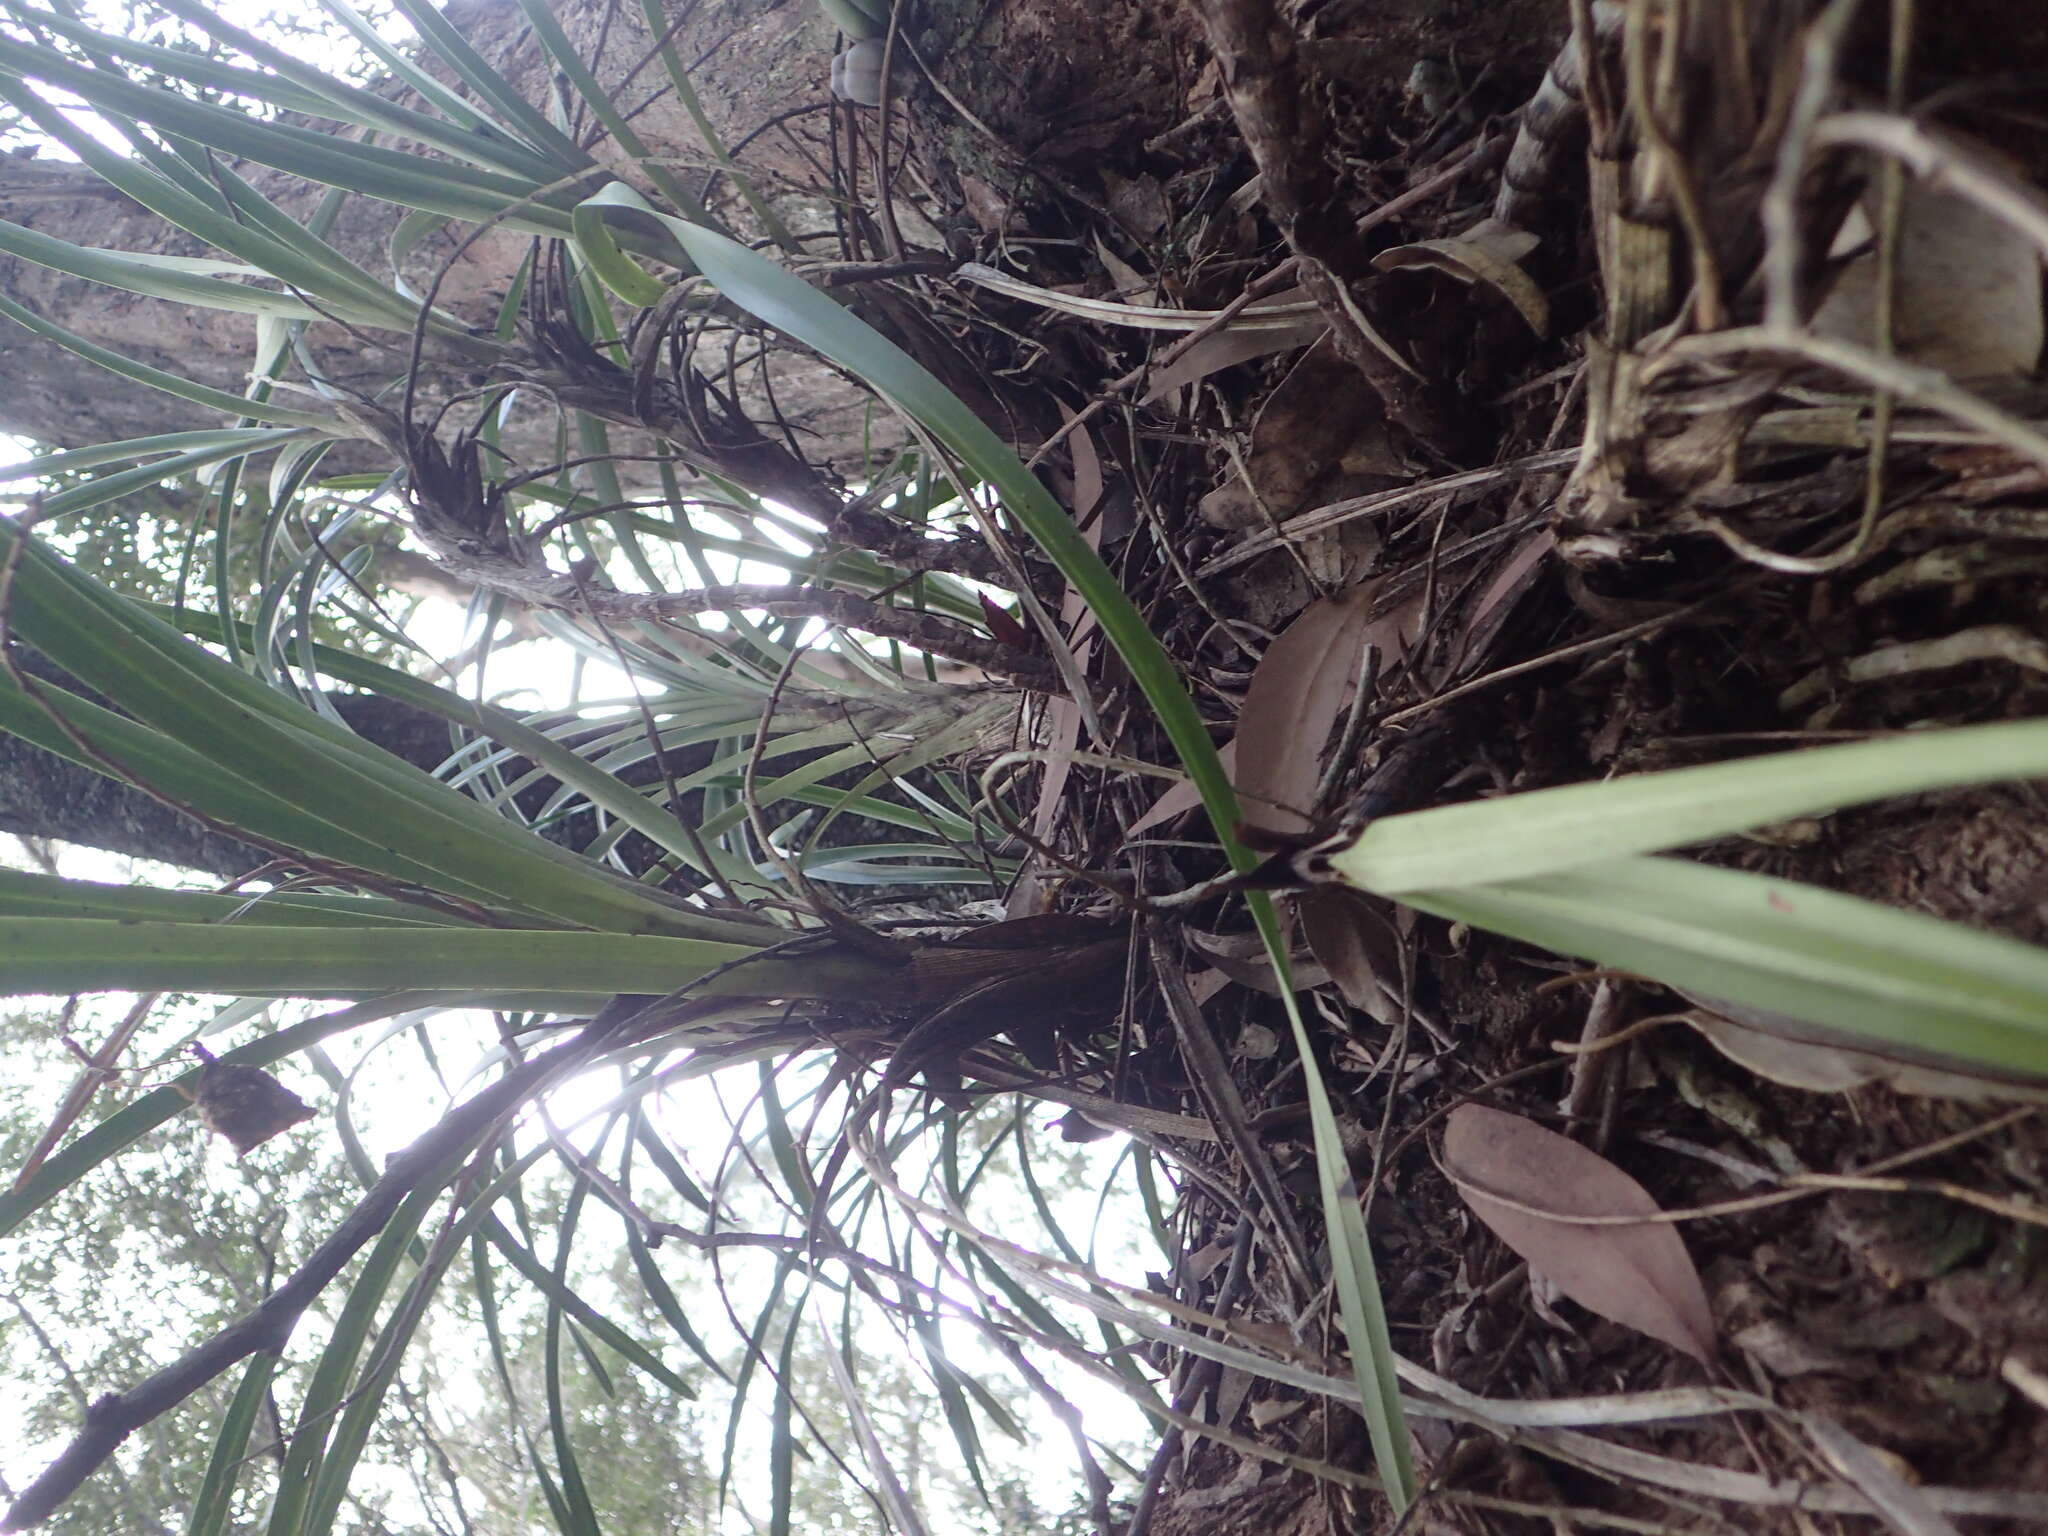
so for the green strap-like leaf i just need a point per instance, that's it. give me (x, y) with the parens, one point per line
(63, 955)
(26, 894)
(254, 733)
(462, 191)
(461, 132)
(328, 1391)
(789, 304)
(213, 1504)
(1897, 978)
(1545, 830)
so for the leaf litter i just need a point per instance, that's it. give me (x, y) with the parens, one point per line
(1537, 1190)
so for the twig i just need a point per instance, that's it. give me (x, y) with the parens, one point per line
(99, 1069)
(1923, 386)
(1549, 658)
(1199, 1380)
(112, 1418)
(1478, 158)
(1279, 110)
(1210, 1073)
(1778, 210)
(1258, 541)
(1590, 1071)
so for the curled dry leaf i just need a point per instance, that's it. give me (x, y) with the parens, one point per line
(1255, 1042)
(1242, 958)
(1132, 286)
(244, 1104)
(1178, 799)
(1489, 252)
(1227, 348)
(857, 73)
(1527, 1184)
(1350, 935)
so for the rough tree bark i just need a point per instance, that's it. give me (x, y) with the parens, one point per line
(46, 796)
(58, 399)
(1037, 75)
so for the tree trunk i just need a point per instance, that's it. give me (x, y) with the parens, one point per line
(1098, 148)
(59, 399)
(46, 796)
(1050, 85)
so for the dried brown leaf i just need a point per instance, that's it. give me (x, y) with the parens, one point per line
(1489, 252)
(1510, 581)
(1226, 348)
(1968, 296)
(1063, 715)
(1178, 799)
(1298, 691)
(1356, 945)
(1296, 694)
(1242, 957)
(1797, 1054)
(1132, 286)
(1520, 1179)
(245, 1104)
(1879, 1477)
(1089, 484)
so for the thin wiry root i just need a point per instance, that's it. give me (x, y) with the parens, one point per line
(1989, 642)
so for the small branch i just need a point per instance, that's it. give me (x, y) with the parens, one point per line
(99, 1070)
(1279, 108)
(1210, 1073)
(909, 548)
(849, 610)
(112, 1418)
(533, 583)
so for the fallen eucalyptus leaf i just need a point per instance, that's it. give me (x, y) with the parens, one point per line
(1357, 945)
(1242, 957)
(1520, 1179)
(1298, 692)
(1796, 1054)
(1225, 349)
(1178, 799)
